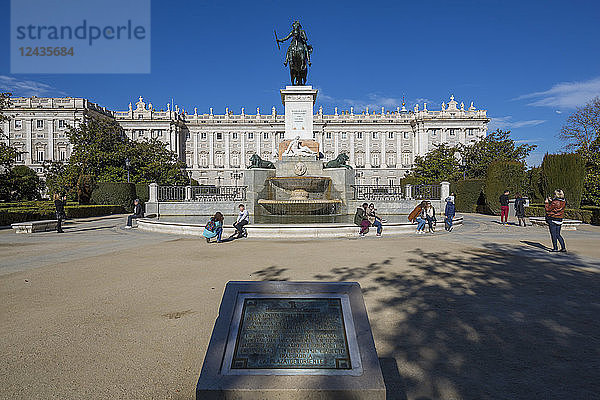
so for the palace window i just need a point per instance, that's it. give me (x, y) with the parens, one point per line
(234, 135)
(62, 124)
(141, 133)
(18, 124)
(405, 158)
(281, 135)
(40, 123)
(40, 155)
(452, 132)
(360, 162)
(433, 132)
(390, 135)
(203, 160)
(235, 160)
(62, 154)
(375, 160)
(391, 160)
(391, 181)
(359, 135)
(375, 135)
(327, 135)
(405, 134)
(470, 132)
(265, 135)
(202, 135)
(344, 135)
(219, 135)
(19, 156)
(219, 160)
(250, 135)
(140, 116)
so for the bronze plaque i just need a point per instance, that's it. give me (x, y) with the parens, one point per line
(291, 333)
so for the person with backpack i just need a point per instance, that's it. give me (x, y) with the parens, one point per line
(361, 218)
(449, 213)
(520, 209)
(555, 211)
(214, 228)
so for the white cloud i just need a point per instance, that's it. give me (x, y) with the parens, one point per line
(508, 123)
(565, 94)
(26, 88)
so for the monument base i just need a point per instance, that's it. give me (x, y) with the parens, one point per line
(291, 340)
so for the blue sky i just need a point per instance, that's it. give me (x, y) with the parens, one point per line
(529, 63)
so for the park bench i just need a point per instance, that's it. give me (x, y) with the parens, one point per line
(568, 224)
(34, 226)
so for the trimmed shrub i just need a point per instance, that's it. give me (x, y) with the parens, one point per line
(566, 172)
(595, 210)
(534, 188)
(85, 187)
(503, 175)
(469, 194)
(585, 216)
(46, 211)
(122, 194)
(93, 211)
(142, 191)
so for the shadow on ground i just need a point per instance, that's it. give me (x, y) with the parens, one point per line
(499, 322)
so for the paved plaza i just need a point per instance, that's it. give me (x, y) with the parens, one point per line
(484, 312)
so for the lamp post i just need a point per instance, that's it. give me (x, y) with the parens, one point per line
(127, 164)
(377, 181)
(236, 175)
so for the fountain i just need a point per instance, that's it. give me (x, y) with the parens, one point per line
(300, 195)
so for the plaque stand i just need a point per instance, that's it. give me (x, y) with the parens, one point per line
(291, 340)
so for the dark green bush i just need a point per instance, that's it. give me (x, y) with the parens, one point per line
(93, 211)
(469, 194)
(595, 210)
(85, 187)
(585, 216)
(46, 210)
(122, 194)
(566, 172)
(503, 175)
(142, 192)
(534, 188)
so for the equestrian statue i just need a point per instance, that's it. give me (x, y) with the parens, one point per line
(298, 54)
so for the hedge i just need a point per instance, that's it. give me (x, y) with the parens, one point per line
(566, 172)
(503, 175)
(23, 214)
(122, 194)
(585, 216)
(142, 192)
(595, 210)
(469, 195)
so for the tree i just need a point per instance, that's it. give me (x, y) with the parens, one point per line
(440, 164)
(7, 153)
(497, 146)
(591, 184)
(100, 149)
(24, 184)
(582, 128)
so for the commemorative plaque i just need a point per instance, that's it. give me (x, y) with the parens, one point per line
(292, 340)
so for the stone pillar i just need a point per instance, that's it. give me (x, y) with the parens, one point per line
(352, 148)
(399, 137)
(258, 142)
(29, 141)
(188, 193)
(298, 102)
(336, 143)
(368, 149)
(445, 191)
(211, 150)
(51, 139)
(226, 162)
(383, 153)
(408, 192)
(195, 160)
(243, 150)
(153, 192)
(462, 135)
(443, 135)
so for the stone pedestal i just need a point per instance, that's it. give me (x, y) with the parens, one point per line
(298, 102)
(256, 180)
(311, 144)
(291, 341)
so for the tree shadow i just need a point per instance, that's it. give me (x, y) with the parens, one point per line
(272, 273)
(493, 323)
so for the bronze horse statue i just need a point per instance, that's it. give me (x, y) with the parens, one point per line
(298, 54)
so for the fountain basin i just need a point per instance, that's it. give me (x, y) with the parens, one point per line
(311, 184)
(301, 206)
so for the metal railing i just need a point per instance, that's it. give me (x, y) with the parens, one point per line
(378, 192)
(171, 193)
(201, 193)
(426, 192)
(221, 193)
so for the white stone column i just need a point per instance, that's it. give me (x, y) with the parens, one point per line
(273, 138)
(444, 191)
(51, 139)
(352, 148)
(258, 142)
(29, 141)
(383, 150)
(336, 143)
(211, 150)
(399, 136)
(227, 150)
(462, 135)
(153, 191)
(368, 149)
(195, 160)
(443, 135)
(243, 150)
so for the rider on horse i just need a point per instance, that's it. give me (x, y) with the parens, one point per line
(299, 43)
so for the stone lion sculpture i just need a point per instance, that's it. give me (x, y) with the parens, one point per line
(340, 161)
(257, 162)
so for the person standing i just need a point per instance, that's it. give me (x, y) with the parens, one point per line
(520, 209)
(59, 205)
(430, 217)
(449, 213)
(138, 212)
(504, 207)
(242, 220)
(555, 210)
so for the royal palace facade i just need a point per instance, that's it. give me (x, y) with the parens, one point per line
(381, 144)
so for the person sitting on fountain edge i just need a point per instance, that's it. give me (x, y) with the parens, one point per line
(242, 219)
(375, 219)
(138, 212)
(361, 218)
